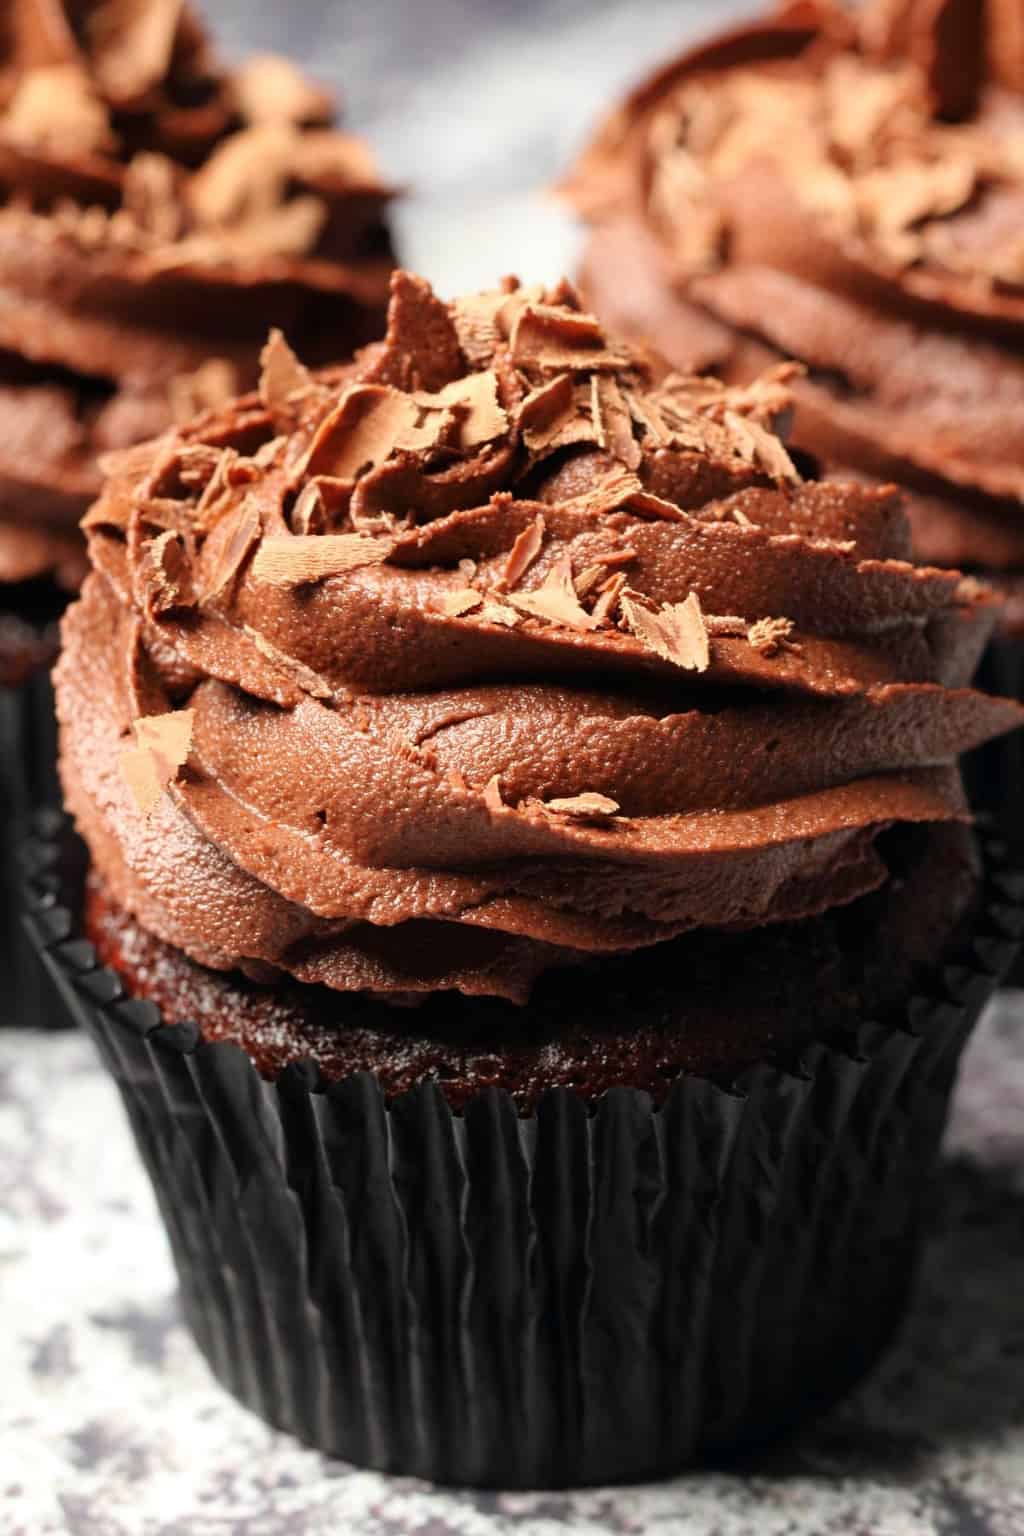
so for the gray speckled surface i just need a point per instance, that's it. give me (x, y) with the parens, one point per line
(110, 1424)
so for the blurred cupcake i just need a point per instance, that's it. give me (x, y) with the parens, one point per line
(156, 214)
(847, 189)
(535, 913)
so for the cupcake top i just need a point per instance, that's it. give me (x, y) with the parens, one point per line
(497, 650)
(157, 212)
(847, 188)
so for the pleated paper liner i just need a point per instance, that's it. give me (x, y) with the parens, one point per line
(994, 774)
(28, 780)
(582, 1295)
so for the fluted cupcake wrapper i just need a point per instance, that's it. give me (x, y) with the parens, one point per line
(994, 774)
(583, 1295)
(28, 779)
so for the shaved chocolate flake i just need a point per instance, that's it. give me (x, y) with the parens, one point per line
(360, 433)
(475, 398)
(761, 449)
(524, 551)
(555, 601)
(497, 613)
(728, 624)
(131, 43)
(291, 560)
(546, 410)
(492, 795)
(454, 604)
(677, 632)
(319, 504)
(270, 89)
(283, 379)
(421, 348)
(475, 318)
(166, 572)
(769, 636)
(609, 597)
(57, 108)
(613, 421)
(587, 580)
(226, 547)
(588, 806)
(149, 198)
(162, 746)
(622, 489)
(550, 340)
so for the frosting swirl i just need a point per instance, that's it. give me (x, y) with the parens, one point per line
(156, 214)
(499, 649)
(846, 189)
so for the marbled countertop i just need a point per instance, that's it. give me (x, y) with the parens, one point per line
(110, 1424)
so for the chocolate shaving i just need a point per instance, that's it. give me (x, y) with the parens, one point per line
(769, 636)
(361, 432)
(226, 547)
(613, 421)
(761, 449)
(283, 379)
(454, 604)
(588, 806)
(319, 505)
(555, 601)
(57, 109)
(162, 746)
(475, 400)
(546, 411)
(166, 574)
(270, 89)
(149, 198)
(551, 340)
(131, 42)
(524, 551)
(677, 632)
(291, 560)
(492, 795)
(609, 597)
(421, 348)
(497, 613)
(588, 579)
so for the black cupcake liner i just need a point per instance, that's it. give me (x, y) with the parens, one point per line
(994, 774)
(28, 780)
(588, 1294)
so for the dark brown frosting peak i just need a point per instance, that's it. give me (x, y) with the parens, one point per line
(156, 213)
(499, 649)
(847, 188)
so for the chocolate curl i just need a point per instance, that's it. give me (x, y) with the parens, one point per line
(945, 39)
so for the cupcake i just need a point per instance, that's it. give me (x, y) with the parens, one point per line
(532, 912)
(156, 214)
(844, 188)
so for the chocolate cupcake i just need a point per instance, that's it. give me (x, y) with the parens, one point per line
(156, 214)
(534, 915)
(846, 189)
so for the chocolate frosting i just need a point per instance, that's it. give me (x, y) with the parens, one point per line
(157, 213)
(497, 650)
(844, 188)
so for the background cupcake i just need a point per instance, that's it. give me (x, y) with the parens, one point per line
(500, 675)
(844, 189)
(157, 213)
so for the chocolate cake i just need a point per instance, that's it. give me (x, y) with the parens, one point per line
(533, 915)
